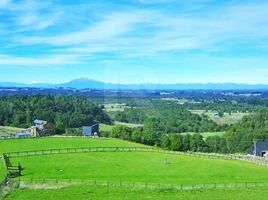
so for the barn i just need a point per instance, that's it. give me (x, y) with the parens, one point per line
(260, 147)
(91, 129)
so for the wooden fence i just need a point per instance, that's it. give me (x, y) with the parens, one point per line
(138, 185)
(13, 171)
(255, 160)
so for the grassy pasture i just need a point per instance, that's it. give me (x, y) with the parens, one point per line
(128, 124)
(107, 127)
(32, 144)
(100, 193)
(226, 119)
(7, 130)
(128, 167)
(13, 145)
(140, 167)
(205, 134)
(115, 107)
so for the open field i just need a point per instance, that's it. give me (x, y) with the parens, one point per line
(138, 167)
(32, 144)
(12, 145)
(7, 130)
(107, 127)
(128, 124)
(226, 119)
(205, 134)
(99, 193)
(114, 107)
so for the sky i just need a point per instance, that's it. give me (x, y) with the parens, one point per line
(134, 41)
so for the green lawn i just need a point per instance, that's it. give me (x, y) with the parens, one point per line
(100, 193)
(12, 145)
(31, 144)
(140, 167)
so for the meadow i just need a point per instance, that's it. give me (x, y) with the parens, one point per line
(7, 130)
(107, 127)
(205, 134)
(114, 107)
(226, 119)
(138, 167)
(31, 144)
(100, 193)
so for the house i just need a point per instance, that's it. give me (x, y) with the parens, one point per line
(259, 148)
(91, 129)
(38, 129)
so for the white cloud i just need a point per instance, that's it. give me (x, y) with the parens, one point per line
(140, 32)
(34, 21)
(38, 61)
(111, 26)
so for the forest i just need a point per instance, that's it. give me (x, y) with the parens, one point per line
(238, 137)
(163, 122)
(61, 111)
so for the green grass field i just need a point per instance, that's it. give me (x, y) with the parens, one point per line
(138, 167)
(115, 107)
(107, 127)
(12, 145)
(56, 143)
(226, 119)
(100, 193)
(205, 134)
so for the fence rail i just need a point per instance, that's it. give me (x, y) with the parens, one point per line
(138, 185)
(255, 160)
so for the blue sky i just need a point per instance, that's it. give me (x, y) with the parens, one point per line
(134, 41)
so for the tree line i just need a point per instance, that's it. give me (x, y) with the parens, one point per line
(238, 138)
(60, 111)
(167, 118)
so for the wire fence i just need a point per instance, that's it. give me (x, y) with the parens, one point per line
(256, 160)
(136, 185)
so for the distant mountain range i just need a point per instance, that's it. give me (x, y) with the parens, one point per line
(84, 83)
